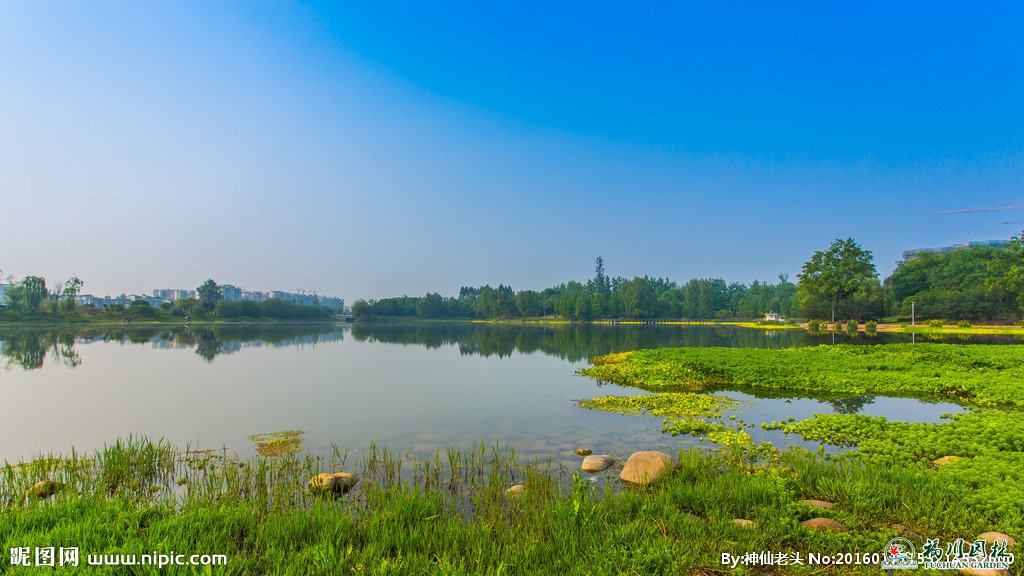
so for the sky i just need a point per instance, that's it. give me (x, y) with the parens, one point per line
(365, 150)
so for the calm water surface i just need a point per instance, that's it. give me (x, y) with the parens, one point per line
(415, 388)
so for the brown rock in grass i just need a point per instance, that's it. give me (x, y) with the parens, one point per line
(824, 524)
(946, 460)
(819, 504)
(993, 537)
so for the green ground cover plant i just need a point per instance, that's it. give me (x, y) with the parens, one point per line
(974, 375)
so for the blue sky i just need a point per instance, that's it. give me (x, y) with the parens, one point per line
(368, 151)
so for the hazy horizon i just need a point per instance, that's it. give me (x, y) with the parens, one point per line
(363, 153)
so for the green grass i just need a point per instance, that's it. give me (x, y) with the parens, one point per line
(451, 514)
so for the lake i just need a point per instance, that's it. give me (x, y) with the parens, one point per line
(411, 388)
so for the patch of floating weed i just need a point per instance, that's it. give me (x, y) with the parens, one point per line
(283, 443)
(978, 375)
(682, 411)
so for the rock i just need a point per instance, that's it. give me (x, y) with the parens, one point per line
(583, 451)
(993, 537)
(744, 523)
(334, 483)
(946, 460)
(824, 524)
(44, 489)
(820, 504)
(516, 490)
(646, 467)
(597, 463)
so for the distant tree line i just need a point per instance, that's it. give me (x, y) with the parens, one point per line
(839, 283)
(31, 299)
(600, 297)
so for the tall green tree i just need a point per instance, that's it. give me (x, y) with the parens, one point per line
(209, 294)
(33, 293)
(1007, 268)
(67, 295)
(840, 280)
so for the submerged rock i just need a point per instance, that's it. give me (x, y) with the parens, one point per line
(44, 489)
(646, 467)
(946, 460)
(516, 490)
(993, 537)
(744, 523)
(597, 463)
(824, 524)
(333, 483)
(819, 504)
(583, 451)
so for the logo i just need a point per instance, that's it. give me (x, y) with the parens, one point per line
(900, 554)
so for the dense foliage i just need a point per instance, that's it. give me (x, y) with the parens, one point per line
(975, 283)
(642, 298)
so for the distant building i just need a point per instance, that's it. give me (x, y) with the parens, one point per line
(914, 253)
(772, 316)
(231, 293)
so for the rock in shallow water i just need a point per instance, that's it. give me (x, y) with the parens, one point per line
(597, 463)
(583, 451)
(333, 483)
(44, 489)
(516, 490)
(646, 467)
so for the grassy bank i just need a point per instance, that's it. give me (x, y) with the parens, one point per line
(452, 515)
(978, 330)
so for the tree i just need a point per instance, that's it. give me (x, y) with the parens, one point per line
(1007, 268)
(842, 278)
(67, 295)
(528, 302)
(33, 292)
(209, 294)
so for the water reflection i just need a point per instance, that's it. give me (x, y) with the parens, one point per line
(29, 349)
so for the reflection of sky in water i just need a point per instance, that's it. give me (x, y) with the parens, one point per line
(418, 390)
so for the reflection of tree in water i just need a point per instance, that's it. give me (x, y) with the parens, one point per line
(29, 349)
(570, 342)
(208, 346)
(850, 405)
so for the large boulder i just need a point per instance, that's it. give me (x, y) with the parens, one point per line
(646, 467)
(332, 483)
(597, 463)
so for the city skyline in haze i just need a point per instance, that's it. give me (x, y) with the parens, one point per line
(364, 153)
